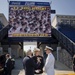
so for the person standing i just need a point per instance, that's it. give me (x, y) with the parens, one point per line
(74, 63)
(8, 65)
(50, 60)
(29, 64)
(39, 61)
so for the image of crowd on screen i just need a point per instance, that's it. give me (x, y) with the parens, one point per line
(29, 21)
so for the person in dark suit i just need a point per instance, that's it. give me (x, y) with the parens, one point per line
(74, 63)
(29, 64)
(39, 61)
(8, 65)
(2, 64)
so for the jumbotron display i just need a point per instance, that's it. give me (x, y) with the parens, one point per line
(29, 19)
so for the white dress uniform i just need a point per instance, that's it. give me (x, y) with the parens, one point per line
(49, 65)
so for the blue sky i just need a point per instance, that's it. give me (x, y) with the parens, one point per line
(64, 7)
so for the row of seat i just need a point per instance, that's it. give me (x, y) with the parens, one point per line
(68, 31)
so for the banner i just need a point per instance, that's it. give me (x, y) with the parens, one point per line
(29, 19)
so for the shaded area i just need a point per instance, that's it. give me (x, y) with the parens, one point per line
(1, 25)
(18, 67)
(60, 66)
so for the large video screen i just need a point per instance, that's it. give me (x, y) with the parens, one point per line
(29, 19)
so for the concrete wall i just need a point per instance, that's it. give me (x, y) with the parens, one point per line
(54, 22)
(16, 51)
(65, 58)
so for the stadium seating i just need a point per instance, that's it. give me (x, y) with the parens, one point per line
(65, 35)
(1, 25)
(68, 31)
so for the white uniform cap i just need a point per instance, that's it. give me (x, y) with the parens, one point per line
(36, 49)
(47, 47)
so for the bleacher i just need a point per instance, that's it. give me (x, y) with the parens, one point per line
(1, 25)
(65, 34)
(68, 31)
(4, 31)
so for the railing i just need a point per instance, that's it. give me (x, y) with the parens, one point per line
(4, 31)
(68, 44)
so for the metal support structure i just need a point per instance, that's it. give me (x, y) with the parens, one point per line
(58, 48)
